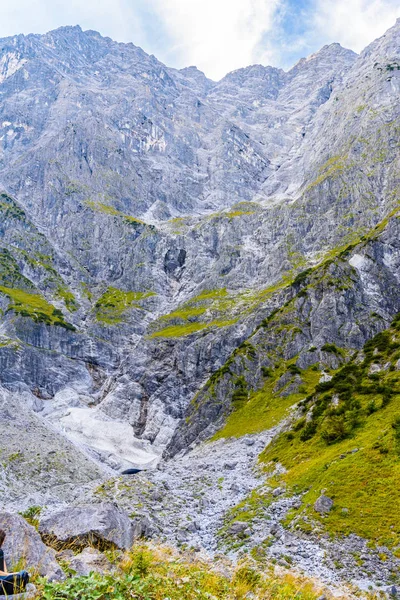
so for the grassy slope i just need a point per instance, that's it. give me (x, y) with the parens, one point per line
(34, 306)
(351, 450)
(211, 308)
(265, 408)
(349, 445)
(157, 573)
(113, 304)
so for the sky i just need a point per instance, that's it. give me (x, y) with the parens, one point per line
(217, 36)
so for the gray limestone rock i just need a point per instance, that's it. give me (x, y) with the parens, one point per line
(323, 504)
(101, 526)
(238, 528)
(88, 561)
(24, 545)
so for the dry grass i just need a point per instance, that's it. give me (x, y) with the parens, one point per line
(154, 572)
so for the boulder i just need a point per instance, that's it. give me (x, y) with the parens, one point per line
(230, 466)
(142, 527)
(90, 560)
(103, 526)
(238, 528)
(23, 545)
(323, 505)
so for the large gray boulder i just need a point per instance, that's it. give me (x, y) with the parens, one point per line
(24, 548)
(102, 526)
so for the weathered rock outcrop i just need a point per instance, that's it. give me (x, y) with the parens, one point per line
(330, 305)
(101, 526)
(23, 545)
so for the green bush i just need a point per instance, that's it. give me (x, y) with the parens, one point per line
(396, 427)
(294, 369)
(335, 429)
(301, 277)
(309, 431)
(299, 425)
(266, 371)
(331, 348)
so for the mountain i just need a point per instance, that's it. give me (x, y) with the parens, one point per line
(183, 259)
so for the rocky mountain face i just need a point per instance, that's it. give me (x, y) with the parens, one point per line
(182, 258)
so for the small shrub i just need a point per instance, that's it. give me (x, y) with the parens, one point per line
(331, 348)
(31, 515)
(396, 427)
(294, 369)
(247, 576)
(299, 425)
(335, 429)
(266, 371)
(301, 277)
(308, 431)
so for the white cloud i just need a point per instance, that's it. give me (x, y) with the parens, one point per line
(215, 35)
(354, 23)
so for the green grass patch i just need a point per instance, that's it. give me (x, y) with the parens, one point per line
(237, 213)
(114, 303)
(265, 408)
(113, 212)
(35, 307)
(184, 314)
(176, 331)
(70, 301)
(355, 410)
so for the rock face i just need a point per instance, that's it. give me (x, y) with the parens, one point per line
(102, 526)
(325, 312)
(23, 545)
(150, 217)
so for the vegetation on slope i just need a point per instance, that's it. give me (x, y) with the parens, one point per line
(35, 307)
(157, 573)
(211, 308)
(208, 309)
(113, 212)
(10, 209)
(258, 410)
(25, 300)
(113, 304)
(347, 442)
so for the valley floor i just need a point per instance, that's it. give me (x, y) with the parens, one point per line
(216, 500)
